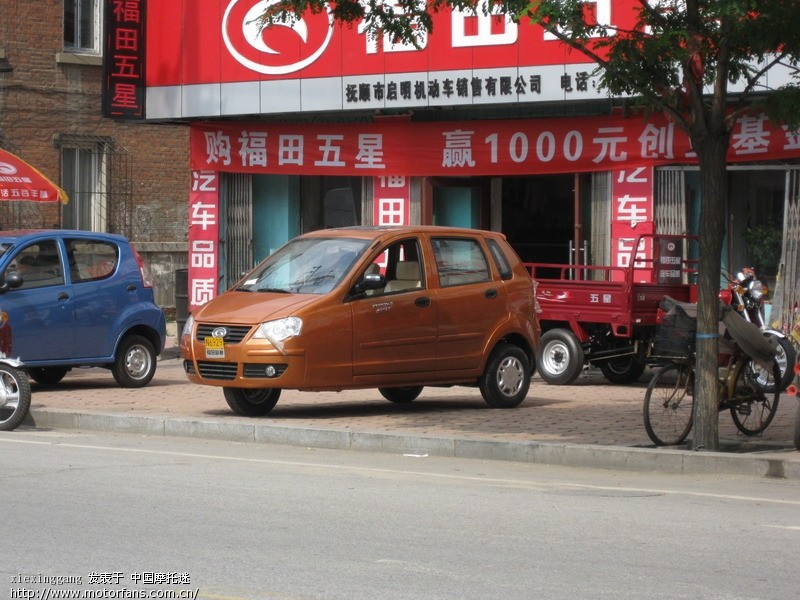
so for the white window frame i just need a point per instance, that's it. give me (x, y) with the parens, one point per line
(83, 189)
(81, 46)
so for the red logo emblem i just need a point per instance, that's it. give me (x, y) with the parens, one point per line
(279, 48)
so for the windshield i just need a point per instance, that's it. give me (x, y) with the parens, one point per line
(306, 266)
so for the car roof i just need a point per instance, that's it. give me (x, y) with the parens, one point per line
(16, 236)
(375, 232)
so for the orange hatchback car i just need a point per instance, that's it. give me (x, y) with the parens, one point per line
(395, 308)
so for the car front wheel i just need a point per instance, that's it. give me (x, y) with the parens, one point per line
(135, 364)
(47, 375)
(401, 394)
(251, 402)
(507, 377)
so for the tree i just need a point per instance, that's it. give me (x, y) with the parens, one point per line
(678, 57)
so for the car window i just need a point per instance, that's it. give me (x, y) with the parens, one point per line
(401, 265)
(91, 260)
(460, 261)
(39, 264)
(306, 266)
(500, 259)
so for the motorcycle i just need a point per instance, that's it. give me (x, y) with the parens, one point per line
(746, 293)
(15, 387)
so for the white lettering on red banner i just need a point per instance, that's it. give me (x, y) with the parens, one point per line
(203, 237)
(632, 217)
(391, 200)
(477, 148)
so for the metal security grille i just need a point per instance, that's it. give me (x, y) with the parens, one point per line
(238, 232)
(670, 202)
(787, 293)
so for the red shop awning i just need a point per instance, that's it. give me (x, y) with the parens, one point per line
(21, 181)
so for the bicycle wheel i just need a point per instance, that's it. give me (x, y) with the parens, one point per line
(755, 399)
(668, 405)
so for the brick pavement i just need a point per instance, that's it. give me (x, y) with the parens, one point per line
(591, 411)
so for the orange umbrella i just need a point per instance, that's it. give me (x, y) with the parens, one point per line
(21, 181)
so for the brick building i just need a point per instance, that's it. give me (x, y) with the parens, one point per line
(122, 177)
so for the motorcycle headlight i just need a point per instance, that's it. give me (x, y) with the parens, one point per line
(757, 289)
(279, 331)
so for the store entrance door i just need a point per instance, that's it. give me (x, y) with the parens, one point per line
(539, 217)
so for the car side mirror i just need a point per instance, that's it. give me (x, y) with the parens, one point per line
(370, 281)
(11, 281)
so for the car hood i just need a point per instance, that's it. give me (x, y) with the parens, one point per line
(252, 307)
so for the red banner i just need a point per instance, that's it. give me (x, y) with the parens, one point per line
(469, 148)
(21, 181)
(204, 249)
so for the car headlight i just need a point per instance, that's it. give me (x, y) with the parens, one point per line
(757, 289)
(279, 331)
(187, 327)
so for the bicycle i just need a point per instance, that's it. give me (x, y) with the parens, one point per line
(746, 390)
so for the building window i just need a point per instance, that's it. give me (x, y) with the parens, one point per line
(82, 26)
(83, 176)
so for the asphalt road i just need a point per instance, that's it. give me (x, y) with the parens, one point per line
(231, 521)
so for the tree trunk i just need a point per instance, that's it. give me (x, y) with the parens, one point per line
(711, 151)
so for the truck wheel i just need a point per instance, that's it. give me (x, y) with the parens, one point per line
(622, 370)
(401, 394)
(251, 402)
(505, 382)
(135, 363)
(562, 357)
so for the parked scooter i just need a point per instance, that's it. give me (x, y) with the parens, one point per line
(747, 293)
(15, 387)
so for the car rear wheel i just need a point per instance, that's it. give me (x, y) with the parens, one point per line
(401, 394)
(251, 402)
(47, 375)
(135, 364)
(507, 377)
(562, 357)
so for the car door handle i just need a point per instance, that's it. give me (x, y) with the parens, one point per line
(63, 296)
(423, 301)
(491, 294)
(131, 287)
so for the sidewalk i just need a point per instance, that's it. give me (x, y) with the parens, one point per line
(591, 423)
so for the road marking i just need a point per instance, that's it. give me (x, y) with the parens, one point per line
(381, 471)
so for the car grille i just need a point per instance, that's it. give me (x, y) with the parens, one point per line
(235, 333)
(217, 370)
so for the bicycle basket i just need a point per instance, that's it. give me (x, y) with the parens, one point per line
(676, 334)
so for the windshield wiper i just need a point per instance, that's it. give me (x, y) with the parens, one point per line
(274, 290)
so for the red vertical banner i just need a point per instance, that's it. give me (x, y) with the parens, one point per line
(391, 200)
(631, 217)
(203, 237)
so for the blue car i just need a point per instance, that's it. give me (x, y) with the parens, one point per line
(79, 299)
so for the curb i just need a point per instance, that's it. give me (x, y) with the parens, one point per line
(666, 461)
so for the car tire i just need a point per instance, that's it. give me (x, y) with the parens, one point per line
(507, 377)
(47, 375)
(561, 357)
(16, 397)
(251, 402)
(401, 394)
(135, 363)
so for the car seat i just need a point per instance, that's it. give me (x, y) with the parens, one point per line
(408, 277)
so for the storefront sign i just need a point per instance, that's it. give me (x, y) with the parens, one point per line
(124, 59)
(204, 249)
(469, 148)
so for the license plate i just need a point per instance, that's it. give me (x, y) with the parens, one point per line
(215, 347)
